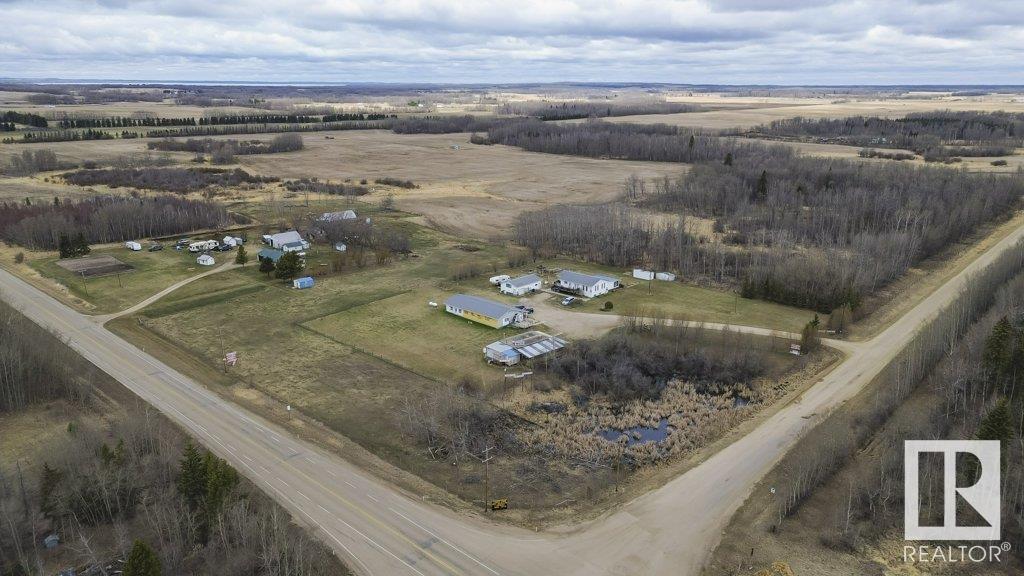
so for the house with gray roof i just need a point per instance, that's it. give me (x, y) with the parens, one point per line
(521, 285)
(289, 241)
(588, 285)
(483, 311)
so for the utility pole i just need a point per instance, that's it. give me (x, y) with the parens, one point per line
(486, 458)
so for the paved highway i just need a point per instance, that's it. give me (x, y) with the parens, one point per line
(378, 529)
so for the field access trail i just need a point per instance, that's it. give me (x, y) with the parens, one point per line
(379, 529)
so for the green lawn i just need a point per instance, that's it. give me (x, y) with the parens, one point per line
(404, 330)
(153, 272)
(687, 302)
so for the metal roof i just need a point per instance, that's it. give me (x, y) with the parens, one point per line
(583, 279)
(299, 244)
(542, 347)
(270, 254)
(482, 306)
(523, 280)
(286, 237)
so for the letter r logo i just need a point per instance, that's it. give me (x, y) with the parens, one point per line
(983, 495)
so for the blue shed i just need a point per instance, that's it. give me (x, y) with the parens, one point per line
(304, 282)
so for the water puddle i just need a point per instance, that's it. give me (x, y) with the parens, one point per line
(639, 434)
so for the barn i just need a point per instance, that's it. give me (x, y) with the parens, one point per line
(587, 285)
(521, 285)
(483, 311)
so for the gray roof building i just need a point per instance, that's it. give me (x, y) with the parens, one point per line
(521, 281)
(482, 310)
(570, 277)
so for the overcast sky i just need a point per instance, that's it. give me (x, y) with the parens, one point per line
(712, 41)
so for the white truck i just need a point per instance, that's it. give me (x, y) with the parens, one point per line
(133, 246)
(203, 245)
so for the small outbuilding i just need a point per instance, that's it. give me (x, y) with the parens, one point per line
(641, 274)
(304, 282)
(205, 260)
(666, 276)
(340, 247)
(521, 285)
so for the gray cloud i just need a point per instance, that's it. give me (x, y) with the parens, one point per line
(712, 41)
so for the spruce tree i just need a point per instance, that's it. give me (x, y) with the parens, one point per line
(761, 194)
(288, 265)
(192, 478)
(64, 246)
(142, 561)
(728, 159)
(996, 425)
(241, 257)
(997, 353)
(267, 266)
(48, 482)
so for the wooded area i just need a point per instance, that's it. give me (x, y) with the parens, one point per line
(179, 180)
(103, 488)
(224, 151)
(934, 135)
(959, 379)
(103, 219)
(580, 109)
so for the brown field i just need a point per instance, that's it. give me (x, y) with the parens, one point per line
(759, 113)
(476, 190)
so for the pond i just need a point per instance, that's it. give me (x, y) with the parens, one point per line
(646, 433)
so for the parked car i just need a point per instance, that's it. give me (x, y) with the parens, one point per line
(223, 248)
(182, 243)
(156, 247)
(568, 300)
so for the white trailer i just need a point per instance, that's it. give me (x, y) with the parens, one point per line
(203, 245)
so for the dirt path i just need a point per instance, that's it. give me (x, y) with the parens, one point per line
(103, 319)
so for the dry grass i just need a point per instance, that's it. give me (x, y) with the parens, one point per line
(761, 110)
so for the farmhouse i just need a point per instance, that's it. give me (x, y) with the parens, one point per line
(588, 285)
(521, 285)
(484, 311)
(526, 345)
(292, 239)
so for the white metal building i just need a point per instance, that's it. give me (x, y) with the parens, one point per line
(484, 311)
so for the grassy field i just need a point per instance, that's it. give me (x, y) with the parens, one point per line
(153, 272)
(403, 330)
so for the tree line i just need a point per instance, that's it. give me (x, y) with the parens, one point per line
(926, 133)
(103, 219)
(224, 151)
(577, 110)
(26, 118)
(180, 180)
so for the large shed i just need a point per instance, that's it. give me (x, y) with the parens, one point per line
(527, 345)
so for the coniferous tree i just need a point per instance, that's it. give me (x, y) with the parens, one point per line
(996, 425)
(267, 266)
(288, 265)
(241, 257)
(997, 353)
(728, 159)
(48, 482)
(142, 561)
(761, 193)
(192, 478)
